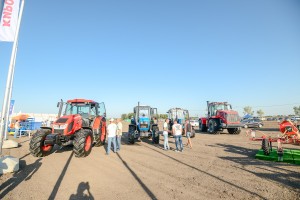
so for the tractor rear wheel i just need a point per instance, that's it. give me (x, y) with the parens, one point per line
(37, 147)
(234, 130)
(213, 127)
(265, 145)
(97, 138)
(193, 133)
(131, 134)
(83, 143)
(202, 127)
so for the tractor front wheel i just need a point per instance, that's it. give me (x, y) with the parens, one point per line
(83, 143)
(202, 127)
(234, 130)
(213, 127)
(37, 147)
(131, 134)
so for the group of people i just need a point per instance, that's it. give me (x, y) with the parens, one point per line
(176, 131)
(114, 135)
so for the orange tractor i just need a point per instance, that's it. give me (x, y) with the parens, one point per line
(82, 125)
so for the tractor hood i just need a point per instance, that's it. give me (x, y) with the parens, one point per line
(65, 124)
(229, 116)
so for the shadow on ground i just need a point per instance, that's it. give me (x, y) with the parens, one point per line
(142, 184)
(270, 170)
(206, 173)
(82, 187)
(24, 174)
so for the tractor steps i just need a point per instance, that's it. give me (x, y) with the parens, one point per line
(289, 156)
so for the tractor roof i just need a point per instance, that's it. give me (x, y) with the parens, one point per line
(218, 103)
(81, 101)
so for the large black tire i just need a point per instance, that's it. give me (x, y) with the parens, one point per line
(234, 130)
(202, 127)
(265, 145)
(156, 135)
(97, 138)
(131, 134)
(83, 143)
(36, 145)
(213, 127)
(193, 133)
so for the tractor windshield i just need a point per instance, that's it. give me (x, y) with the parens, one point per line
(177, 114)
(215, 107)
(144, 113)
(76, 108)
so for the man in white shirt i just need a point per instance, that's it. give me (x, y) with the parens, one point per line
(111, 135)
(177, 133)
(119, 133)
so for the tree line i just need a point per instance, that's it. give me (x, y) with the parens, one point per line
(260, 112)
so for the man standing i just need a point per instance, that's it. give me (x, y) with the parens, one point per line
(119, 134)
(111, 135)
(17, 128)
(166, 134)
(188, 132)
(177, 133)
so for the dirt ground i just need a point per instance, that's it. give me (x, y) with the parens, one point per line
(218, 167)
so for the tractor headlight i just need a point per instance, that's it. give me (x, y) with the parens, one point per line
(55, 126)
(63, 126)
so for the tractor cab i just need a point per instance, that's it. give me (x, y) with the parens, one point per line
(178, 114)
(213, 107)
(144, 116)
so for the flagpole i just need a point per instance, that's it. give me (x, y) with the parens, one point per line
(10, 94)
(9, 83)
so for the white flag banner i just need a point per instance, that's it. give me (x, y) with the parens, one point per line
(9, 18)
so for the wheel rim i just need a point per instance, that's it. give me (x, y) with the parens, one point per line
(46, 147)
(88, 143)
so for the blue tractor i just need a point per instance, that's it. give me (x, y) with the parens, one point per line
(180, 115)
(143, 124)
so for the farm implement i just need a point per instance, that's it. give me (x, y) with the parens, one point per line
(289, 135)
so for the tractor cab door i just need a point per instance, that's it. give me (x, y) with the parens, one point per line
(101, 110)
(186, 114)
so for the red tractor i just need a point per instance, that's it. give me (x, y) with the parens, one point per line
(220, 116)
(82, 124)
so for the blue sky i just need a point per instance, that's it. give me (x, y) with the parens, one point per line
(164, 53)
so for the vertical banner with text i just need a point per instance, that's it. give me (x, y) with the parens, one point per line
(9, 11)
(11, 106)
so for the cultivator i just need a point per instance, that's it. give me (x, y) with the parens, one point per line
(289, 135)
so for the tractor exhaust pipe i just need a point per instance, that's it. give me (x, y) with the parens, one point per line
(208, 113)
(138, 112)
(60, 105)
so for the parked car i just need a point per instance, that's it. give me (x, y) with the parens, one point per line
(194, 122)
(295, 118)
(253, 123)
